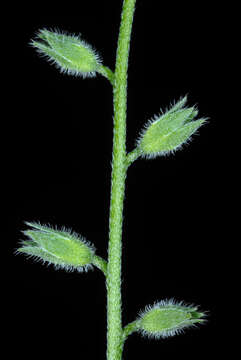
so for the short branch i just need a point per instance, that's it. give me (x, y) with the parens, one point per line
(108, 73)
(132, 156)
(129, 329)
(100, 263)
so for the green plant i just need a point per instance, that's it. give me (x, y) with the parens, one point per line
(162, 135)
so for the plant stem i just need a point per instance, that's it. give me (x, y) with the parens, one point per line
(129, 329)
(100, 264)
(106, 72)
(119, 168)
(132, 156)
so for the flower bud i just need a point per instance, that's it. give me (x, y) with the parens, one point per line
(68, 52)
(168, 318)
(64, 249)
(169, 131)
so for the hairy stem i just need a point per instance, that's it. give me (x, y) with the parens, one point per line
(119, 168)
(129, 329)
(100, 264)
(106, 72)
(132, 156)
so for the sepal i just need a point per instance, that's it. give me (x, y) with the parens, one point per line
(168, 318)
(69, 53)
(167, 132)
(62, 248)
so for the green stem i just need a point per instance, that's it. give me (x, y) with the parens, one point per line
(108, 73)
(119, 168)
(129, 329)
(132, 156)
(100, 263)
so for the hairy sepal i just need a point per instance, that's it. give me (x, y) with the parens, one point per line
(62, 248)
(169, 131)
(168, 318)
(69, 53)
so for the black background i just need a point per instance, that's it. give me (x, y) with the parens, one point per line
(57, 166)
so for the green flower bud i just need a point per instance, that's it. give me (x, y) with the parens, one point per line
(62, 248)
(68, 52)
(168, 318)
(169, 131)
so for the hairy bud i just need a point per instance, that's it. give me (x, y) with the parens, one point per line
(168, 318)
(68, 52)
(169, 131)
(64, 249)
